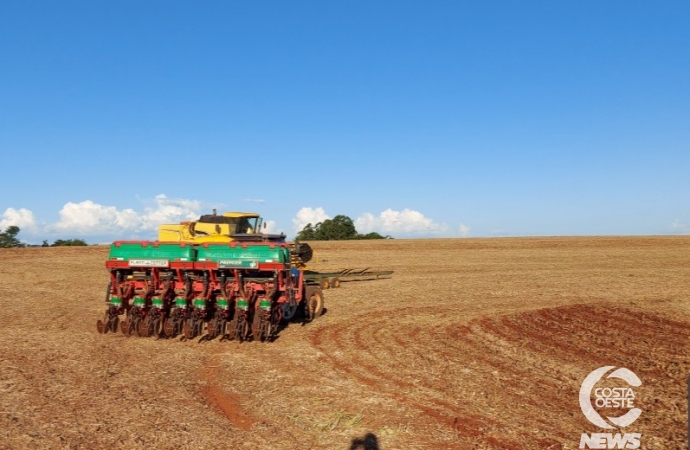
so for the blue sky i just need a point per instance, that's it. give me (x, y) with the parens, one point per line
(415, 119)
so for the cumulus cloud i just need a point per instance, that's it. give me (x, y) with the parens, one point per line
(170, 210)
(271, 227)
(90, 218)
(22, 218)
(308, 215)
(406, 222)
(106, 222)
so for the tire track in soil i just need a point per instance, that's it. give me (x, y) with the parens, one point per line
(591, 336)
(448, 414)
(608, 321)
(596, 339)
(542, 341)
(581, 335)
(225, 402)
(486, 353)
(491, 359)
(450, 351)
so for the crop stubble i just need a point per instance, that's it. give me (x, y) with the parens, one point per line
(474, 343)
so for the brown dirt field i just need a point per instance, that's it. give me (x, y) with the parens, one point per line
(474, 343)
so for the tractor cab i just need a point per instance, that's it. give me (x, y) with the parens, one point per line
(229, 224)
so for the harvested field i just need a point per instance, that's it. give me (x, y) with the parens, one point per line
(474, 343)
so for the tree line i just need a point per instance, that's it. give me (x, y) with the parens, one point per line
(336, 229)
(9, 239)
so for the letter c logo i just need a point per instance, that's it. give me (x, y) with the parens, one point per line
(586, 392)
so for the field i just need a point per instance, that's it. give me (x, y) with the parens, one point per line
(474, 343)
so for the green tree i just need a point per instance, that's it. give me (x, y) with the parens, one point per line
(308, 233)
(8, 238)
(336, 229)
(69, 243)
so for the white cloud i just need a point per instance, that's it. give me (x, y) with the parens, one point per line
(463, 230)
(90, 218)
(170, 210)
(308, 215)
(271, 227)
(254, 200)
(22, 218)
(393, 222)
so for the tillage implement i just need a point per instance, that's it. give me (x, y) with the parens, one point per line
(241, 289)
